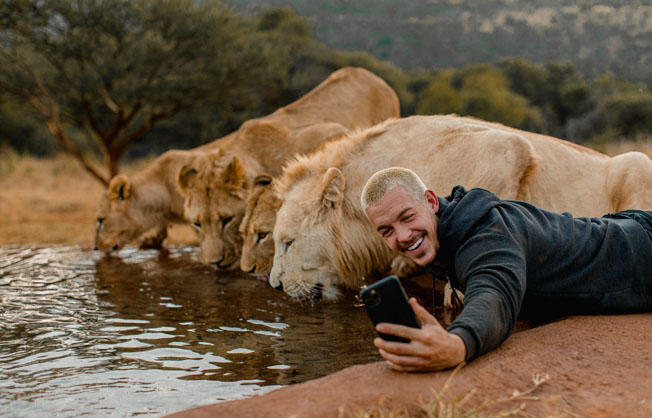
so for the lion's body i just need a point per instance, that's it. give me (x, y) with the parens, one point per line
(323, 239)
(216, 185)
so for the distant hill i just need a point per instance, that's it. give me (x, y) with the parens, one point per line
(597, 36)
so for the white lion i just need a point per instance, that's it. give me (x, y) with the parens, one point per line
(323, 239)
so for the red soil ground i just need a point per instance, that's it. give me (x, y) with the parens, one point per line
(596, 366)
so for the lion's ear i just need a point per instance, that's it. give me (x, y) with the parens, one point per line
(234, 177)
(187, 178)
(263, 180)
(333, 191)
(119, 188)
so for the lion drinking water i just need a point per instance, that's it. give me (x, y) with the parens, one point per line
(148, 201)
(216, 185)
(323, 239)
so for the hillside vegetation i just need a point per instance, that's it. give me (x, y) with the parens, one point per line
(598, 36)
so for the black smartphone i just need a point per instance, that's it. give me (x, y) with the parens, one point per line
(386, 301)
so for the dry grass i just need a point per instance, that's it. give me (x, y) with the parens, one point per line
(52, 201)
(444, 404)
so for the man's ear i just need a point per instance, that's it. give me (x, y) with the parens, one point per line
(234, 177)
(119, 188)
(432, 200)
(333, 188)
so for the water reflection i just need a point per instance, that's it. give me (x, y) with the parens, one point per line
(150, 333)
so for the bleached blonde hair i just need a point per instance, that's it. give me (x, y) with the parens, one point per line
(383, 181)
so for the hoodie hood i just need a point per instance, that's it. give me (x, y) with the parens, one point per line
(454, 229)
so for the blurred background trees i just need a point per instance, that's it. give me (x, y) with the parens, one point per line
(107, 79)
(103, 73)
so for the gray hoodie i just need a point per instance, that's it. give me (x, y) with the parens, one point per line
(513, 260)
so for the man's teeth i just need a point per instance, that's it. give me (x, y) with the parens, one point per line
(415, 245)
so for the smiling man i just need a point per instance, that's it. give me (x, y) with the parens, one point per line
(509, 258)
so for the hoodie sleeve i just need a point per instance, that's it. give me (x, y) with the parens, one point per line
(491, 265)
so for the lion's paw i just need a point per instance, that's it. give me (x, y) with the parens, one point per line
(449, 301)
(154, 241)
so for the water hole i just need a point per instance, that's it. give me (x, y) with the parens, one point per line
(149, 333)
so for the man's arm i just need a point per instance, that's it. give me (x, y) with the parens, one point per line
(492, 265)
(430, 348)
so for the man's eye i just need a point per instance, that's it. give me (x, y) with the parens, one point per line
(225, 221)
(386, 233)
(261, 236)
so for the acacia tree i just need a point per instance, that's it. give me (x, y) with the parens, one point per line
(112, 69)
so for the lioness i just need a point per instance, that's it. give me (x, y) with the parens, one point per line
(323, 239)
(257, 227)
(216, 186)
(143, 204)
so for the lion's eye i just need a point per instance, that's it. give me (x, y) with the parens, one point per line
(288, 243)
(261, 236)
(197, 225)
(100, 221)
(225, 221)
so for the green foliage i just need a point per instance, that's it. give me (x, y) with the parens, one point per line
(525, 78)
(22, 131)
(440, 97)
(482, 91)
(284, 21)
(116, 68)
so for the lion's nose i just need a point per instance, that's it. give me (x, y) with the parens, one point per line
(253, 270)
(318, 291)
(217, 263)
(279, 286)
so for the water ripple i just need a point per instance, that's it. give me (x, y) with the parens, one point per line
(149, 333)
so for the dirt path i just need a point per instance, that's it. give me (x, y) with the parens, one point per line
(596, 367)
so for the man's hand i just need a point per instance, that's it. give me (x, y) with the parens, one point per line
(430, 348)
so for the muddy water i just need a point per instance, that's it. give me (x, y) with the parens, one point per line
(149, 333)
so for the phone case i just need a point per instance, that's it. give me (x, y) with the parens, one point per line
(386, 301)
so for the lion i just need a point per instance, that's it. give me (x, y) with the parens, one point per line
(121, 219)
(257, 227)
(143, 204)
(323, 240)
(216, 186)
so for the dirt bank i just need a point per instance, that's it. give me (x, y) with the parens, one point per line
(596, 367)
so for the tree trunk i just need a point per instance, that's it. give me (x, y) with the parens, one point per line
(55, 127)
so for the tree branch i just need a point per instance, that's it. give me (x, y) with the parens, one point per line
(123, 143)
(50, 110)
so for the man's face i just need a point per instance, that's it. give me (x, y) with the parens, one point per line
(408, 225)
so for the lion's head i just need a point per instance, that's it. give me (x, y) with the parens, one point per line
(257, 227)
(319, 236)
(117, 220)
(215, 191)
